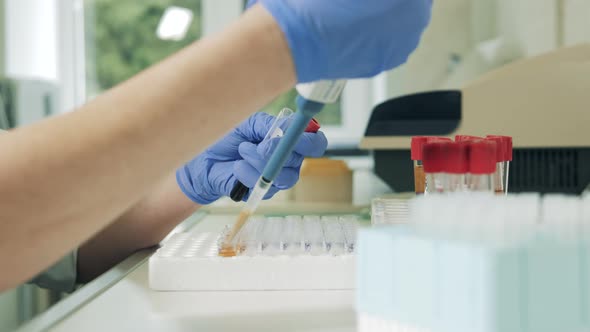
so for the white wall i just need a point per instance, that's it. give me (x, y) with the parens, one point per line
(31, 38)
(218, 14)
(487, 34)
(576, 28)
(532, 24)
(448, 33)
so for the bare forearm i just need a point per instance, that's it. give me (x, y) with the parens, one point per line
(63, 180)
(142, 226)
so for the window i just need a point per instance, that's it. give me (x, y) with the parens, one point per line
(121, 38)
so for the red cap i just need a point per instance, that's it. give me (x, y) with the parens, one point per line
(500, 148)
(482, 157)
(506, 145)
(438, 139)
(313, 126)
(417, 144)
(433, 156)
(463, 138)
(456, 161)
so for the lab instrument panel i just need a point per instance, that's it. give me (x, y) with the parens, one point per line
(539, 101)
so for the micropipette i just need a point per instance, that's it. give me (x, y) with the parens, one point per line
(278, 128)
(310, 101)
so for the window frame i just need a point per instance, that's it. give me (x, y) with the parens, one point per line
(358, 97)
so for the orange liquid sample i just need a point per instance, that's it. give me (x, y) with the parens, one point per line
(419, 179)
(227, 250)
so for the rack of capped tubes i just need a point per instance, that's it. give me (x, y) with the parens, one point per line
(476, 262)
(270, 253)
(470, 163)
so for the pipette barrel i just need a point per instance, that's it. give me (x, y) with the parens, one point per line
(306, 111)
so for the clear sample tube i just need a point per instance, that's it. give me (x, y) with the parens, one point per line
(271, 236)
(334, 235)
(349, 227)
(508, 151)
(434, 155)
(315, 242)
(294, 232)
(455, 166)
(498, 177)
(507, 158)
(482, 165)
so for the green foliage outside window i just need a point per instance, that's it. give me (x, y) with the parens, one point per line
(121, 41)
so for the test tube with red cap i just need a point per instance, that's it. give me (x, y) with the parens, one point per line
(434, 155)
(482, 165)
(456, 166)
(500, 158)
(506, 142)
(417, 145)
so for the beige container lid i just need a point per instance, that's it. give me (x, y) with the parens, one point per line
(324, 167)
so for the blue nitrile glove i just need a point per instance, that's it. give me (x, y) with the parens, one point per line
(241, 155)
(336, 39)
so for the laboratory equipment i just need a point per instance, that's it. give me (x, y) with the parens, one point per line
(310, 101)
(537, 100)
(417, 156)
(430, 113)
(510, 263)
(272, 253)
(277, 130)
(390, 209)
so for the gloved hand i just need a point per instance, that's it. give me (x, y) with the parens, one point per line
(335, 39)
(241, 155)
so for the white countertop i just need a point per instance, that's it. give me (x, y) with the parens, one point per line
(130, 305)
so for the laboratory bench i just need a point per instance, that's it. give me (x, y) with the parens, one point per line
(121, 299)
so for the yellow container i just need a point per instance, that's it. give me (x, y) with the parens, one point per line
(324, 180)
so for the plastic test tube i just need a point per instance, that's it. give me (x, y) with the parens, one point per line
(434, 155)
(466, 139)
(417, 145)
(500, 159)
(482, 165)
(507, 150)
(416, 155)
(455, 166)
